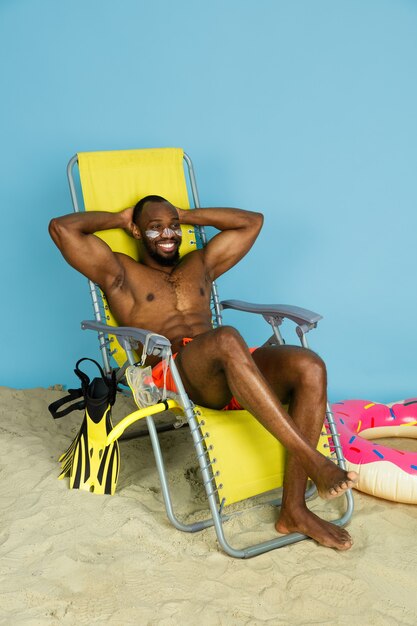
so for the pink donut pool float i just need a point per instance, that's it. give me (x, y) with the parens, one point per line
(383, 472)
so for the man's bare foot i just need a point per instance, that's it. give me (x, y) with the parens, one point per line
(307, 523)
(332, 481)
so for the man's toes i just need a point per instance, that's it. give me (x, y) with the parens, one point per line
(344, 485)
(345, 539)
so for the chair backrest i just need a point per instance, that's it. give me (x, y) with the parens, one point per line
(114, 180)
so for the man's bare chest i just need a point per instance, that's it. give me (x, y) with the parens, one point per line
(179, 289)
(149, 293)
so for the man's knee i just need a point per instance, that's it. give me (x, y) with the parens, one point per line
(312, 370)
(229, 342)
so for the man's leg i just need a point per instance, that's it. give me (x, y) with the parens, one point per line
(217, 365)
(299, 379)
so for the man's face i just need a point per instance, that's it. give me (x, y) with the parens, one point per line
(161, 232)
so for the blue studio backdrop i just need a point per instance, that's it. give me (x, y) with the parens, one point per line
(303, 110)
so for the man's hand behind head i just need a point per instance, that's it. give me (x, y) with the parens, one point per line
(127, 217)
(183, 215)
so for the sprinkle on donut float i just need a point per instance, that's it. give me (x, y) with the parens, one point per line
(383, 472)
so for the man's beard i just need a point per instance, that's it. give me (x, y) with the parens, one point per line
(162, 260)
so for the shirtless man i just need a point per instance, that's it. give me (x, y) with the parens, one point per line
(172, 297)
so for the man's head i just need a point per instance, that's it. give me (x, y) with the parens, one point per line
(156, 224)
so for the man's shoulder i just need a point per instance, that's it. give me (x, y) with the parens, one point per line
(127, 260)
(195, 260)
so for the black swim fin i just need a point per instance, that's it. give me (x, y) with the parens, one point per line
(91, 464)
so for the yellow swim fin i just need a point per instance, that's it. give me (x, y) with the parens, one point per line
(90, 463)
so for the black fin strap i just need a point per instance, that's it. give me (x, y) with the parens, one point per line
(73, 394)
(111, 383)
(85, 380)
(80, 373)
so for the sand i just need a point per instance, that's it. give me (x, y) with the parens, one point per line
(71, 557)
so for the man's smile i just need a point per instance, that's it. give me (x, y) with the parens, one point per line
(167, 246)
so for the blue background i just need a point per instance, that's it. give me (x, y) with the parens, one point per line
(303, 110)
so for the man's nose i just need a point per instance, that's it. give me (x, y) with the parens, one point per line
(167, 232)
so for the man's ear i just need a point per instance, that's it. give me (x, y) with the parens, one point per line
(135, 231)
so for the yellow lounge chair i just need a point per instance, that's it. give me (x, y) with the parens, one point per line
(237, 457)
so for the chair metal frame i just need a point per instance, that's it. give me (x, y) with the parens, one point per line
(160, 346)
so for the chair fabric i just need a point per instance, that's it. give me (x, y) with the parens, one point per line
(250, 461)
(112, 181)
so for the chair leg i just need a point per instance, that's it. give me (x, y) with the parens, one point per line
(153, 434)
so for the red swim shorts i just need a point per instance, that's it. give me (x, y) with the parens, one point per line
(158, 377)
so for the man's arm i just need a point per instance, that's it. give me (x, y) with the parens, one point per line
(73, 234)
(239, 229)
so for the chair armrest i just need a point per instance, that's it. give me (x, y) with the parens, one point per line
(278, 311)
(157, 345)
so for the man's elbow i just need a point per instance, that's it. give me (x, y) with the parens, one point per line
(56, 230)
(53, 229)
(258, 220)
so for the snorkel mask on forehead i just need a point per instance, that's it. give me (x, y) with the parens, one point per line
(166, 232)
